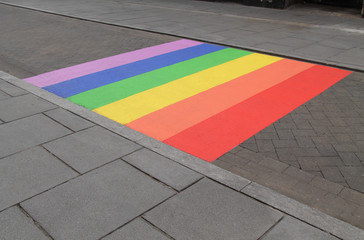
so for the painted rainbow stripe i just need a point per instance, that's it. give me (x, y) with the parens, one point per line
(200, 98)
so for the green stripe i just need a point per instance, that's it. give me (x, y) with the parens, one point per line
(106, 94)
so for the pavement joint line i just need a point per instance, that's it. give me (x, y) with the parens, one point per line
(79, 173)
(273, 226)
(162, 183)
(64, 124)
(154, 226)
(41, 144)
(141, 170)
(141, 214)
(37, 224)
(330, 63)
(303, 212)
(349, 30)
(296, 209)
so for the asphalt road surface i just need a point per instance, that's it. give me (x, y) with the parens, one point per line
(33, 42)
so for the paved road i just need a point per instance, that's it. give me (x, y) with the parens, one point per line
(335, 38)
(31, 45)
(44, 42)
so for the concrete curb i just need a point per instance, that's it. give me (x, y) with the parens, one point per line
(298, 210)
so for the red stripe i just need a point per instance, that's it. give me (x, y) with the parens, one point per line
(215, 136)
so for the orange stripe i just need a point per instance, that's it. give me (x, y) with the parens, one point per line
(218, 134)
(166, 122)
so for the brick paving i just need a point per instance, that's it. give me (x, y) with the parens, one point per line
(323, 137)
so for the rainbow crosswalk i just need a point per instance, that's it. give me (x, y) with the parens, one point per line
(201, 98)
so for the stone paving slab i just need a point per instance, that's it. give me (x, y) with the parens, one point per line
(16, 225)
(216, 210)
(3, 95)
(138, 229)
(163, 169)
(291, 228)
(23, 106)
(28, 173)
(11, 89)
(90, 148)
(93, 205)
(68, 119)
(28, 132)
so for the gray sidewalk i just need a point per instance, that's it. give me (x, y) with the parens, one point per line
(335, 39)
(69, 173)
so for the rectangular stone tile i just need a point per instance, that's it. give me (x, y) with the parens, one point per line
(354, 176)
(3, 95)
(274, 47)
(234, 159)
(138, 229)
(307, 193)
(303, 132)
(305, 142)
(250, 146)
(353, 56)
(346, 147)
(93, 205)
(222, 164)
(208, 210)
(23, 106)
(328, 161)
(317, 51)
(91, 148)
(163, 169)
(16, 225)
(290, 228)
(326, 185)
(332, 174)
(28, 173)
(313, 36)
(350, 159)
(295, 42)
(241, 172)
(308, 164)
(273, 164)
(299, 174)
(285, 134)
(353, 196)
(265, 145)
(11, 89)
(69, 119)
(266, 135)
(326, 149)
(28, 132)
(271, 154)
(284, 143)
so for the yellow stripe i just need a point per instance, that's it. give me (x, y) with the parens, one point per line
(131, 108)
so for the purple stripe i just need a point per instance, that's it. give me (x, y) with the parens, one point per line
(68, 73)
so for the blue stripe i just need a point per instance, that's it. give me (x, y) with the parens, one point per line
(98, 79)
